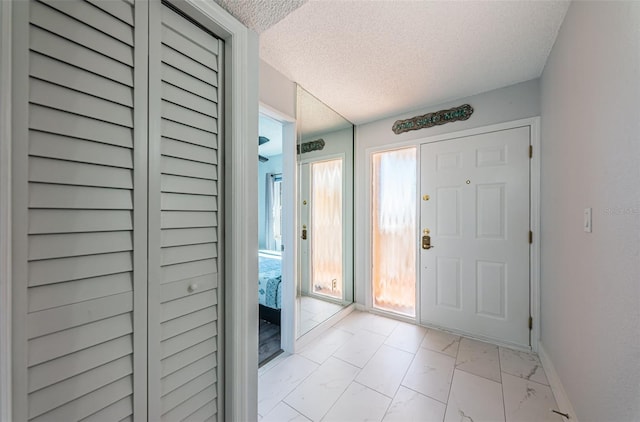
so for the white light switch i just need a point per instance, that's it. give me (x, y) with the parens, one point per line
(587, 220)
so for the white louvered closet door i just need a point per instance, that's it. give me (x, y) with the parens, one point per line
(77, 182)
(184, 219)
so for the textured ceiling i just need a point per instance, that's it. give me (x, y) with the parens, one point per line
(260, 14)
(370, 59)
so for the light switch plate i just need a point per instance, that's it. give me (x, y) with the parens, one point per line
(587, 220)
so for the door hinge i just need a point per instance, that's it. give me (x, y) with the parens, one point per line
(530, 151)
(530, 236)
(530, 322)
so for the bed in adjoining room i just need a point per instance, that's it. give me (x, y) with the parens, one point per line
(269, 282)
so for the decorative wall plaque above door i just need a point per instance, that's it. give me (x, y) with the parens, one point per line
(441, 117)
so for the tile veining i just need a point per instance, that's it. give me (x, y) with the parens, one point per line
(371, 368)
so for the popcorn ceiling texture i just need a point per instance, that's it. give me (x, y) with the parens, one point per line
(373, 59)
(260, 15)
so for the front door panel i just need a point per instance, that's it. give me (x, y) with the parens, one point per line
(475, 275)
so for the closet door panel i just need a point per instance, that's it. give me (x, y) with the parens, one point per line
(79, 150)
(184, 218)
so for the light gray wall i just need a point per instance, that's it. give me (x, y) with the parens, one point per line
(276, 91)
(591, 158)
(498, 106)
(274, 165)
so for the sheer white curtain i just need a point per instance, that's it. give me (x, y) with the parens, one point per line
(393, 230)
(326, 227)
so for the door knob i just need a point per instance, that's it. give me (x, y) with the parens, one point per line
(426, 239)
(426, 242)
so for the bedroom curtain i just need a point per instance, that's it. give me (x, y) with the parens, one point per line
(273, 206)
(268, 212)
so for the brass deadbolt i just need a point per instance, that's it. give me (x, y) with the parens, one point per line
(425, 197)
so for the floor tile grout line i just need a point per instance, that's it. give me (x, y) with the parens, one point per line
(504, 404)
(424, 395)
(296, 385)
(526, 379)
(480, 376)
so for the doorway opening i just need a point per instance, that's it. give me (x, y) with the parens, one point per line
(270, 237)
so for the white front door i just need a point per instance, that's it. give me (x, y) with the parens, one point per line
(475, 277)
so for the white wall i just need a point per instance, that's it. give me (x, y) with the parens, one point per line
(276, 91)
(274, 165)
(591, 158)
(501, 105)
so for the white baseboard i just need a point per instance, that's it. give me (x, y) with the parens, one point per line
(564, 405)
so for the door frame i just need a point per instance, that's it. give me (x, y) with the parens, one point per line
(289, 239)
(534, 249)
(5, 210)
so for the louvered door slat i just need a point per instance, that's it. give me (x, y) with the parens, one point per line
(188, 151)
(179, 42)
(186, 82)
(78, 150)
(61, 294)
(90, 403)
(64, 392)
(77, 244)
(66, 51)
(187, 306)
(70, 365)
(206, 413)
(55, 345)
(187, 30)
(116, 8)
(74, 268)
(80, 283)
(186, 374)
(178, 60)
(186, 99)
(179, 237)
(175, 290)
(188, 270)
(187, 339)
(58, 23)
(114, 412)
(179, 167)
(184, 323)
(62, 98)
(65, 317)
(181, 202)
(59, 122)
(181, 359)
(49, 170)
(57, 72)
(74, 221)
(195, 401)
(86, 12)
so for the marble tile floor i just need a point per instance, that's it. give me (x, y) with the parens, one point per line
(314, 312)
(371, 368)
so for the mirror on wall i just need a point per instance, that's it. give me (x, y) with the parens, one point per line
(325, 212)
